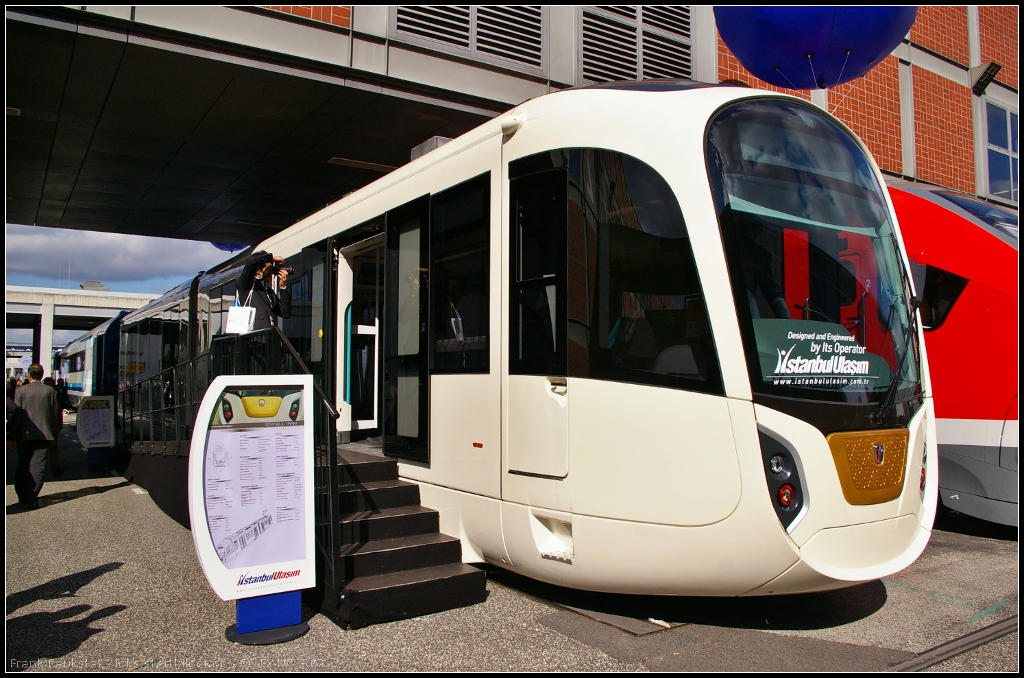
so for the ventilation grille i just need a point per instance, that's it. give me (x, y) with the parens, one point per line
(511, 33)
(664, 58)
(448, 24)
(636, 42)
(675, 19)
(628, 11)
(609, 49)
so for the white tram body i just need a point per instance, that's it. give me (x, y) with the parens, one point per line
(659, 482)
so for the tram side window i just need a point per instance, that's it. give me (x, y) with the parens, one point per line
(169, 347)
(538, 274)
(459, 271)
(605, 285)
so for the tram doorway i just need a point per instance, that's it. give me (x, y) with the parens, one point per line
(361, 270)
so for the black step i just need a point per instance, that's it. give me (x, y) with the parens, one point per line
(403, 553)
(377, 495)
(388, 523)
(400, 595)
(360, 468)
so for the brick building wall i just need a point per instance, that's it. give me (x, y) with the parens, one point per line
(871, 107)
(729, 68)
(942, 29)
(943, 131)
(998, 27)
(336, 15)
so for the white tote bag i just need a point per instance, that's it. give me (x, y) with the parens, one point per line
(240, 317)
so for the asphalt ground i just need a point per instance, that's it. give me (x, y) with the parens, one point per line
(100, 579)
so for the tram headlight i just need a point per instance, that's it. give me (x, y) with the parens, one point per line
(784, 484)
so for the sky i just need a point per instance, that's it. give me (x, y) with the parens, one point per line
(57, 257)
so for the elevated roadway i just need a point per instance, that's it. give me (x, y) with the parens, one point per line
(45, 309)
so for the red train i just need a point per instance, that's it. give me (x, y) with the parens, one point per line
(965, 255)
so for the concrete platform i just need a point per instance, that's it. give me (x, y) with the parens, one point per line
(100, 579)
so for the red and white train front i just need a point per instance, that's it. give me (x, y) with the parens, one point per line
(965, 252)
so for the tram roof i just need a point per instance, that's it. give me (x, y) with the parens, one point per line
(585, 97)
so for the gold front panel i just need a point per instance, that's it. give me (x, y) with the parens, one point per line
(864, 479)
(261, 406)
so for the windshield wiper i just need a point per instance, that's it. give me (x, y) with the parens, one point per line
(878, 416)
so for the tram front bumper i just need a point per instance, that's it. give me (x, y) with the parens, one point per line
(844, 556)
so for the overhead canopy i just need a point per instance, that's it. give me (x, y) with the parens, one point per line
(106, 134)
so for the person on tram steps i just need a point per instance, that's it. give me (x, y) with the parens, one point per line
(267, 278)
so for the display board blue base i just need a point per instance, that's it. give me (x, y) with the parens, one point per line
(268, 612)
(100, 458)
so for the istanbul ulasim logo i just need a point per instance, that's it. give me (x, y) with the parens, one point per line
(879, 453)
(259, 578)
(837, 364)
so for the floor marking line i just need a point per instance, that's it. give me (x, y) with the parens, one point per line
(988, 611)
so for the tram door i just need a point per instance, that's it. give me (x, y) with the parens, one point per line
(362, 332)
(405, 381)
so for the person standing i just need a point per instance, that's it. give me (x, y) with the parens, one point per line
(62, 391)
(41, 421)
(266, 277)
(53, 450)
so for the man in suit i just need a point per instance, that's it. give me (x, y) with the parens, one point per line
(40, 423)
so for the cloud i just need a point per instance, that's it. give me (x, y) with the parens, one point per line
(41, 256)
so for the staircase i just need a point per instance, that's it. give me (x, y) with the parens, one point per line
(394, 562)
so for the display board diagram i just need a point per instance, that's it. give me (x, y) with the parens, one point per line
(254, 485)
(250, 492)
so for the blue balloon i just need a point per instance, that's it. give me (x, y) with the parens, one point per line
(812, 47)
(228, 247)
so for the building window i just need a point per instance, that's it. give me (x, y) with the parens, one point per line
(1003, 177)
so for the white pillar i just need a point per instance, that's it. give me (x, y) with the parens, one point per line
(45, 357)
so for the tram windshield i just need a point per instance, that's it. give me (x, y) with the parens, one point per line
(821, 292)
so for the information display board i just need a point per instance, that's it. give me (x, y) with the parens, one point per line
(251, 485)
(95, 421)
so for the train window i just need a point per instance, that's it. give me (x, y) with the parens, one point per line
(606, 280)
(636, 308)
(941, 290)
(169, 348)
(822, 296)
(405, 351)
(538, 274)
(459, 275)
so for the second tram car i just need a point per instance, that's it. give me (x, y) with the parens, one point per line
(89, 364)
(652, 338)
(966, 252)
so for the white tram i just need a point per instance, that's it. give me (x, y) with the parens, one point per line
(651, 338)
